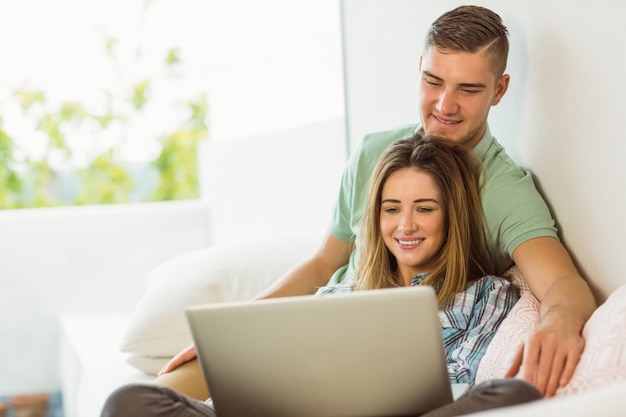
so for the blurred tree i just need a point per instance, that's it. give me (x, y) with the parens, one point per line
(177, 162)
(104, 177)
(10, 180)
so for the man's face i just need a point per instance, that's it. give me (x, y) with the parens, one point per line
(457, 89)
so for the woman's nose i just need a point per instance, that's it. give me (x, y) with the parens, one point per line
(407, 223)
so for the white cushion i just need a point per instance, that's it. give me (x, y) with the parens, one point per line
(228, 272)
(606, 401)
(518, 324)
(603, 361)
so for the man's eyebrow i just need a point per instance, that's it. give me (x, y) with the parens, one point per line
(472, 85)
(462, 85)
(431, 75)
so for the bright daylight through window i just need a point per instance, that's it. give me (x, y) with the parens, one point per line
(107, 101)
(97, 104)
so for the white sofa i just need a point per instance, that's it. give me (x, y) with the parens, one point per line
(64, 260)
(572, 145)
(93, 364)
(259, 169)
(102, 351)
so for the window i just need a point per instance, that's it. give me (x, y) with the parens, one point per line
(107, 101)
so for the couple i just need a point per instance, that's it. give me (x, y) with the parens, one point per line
(462, 75)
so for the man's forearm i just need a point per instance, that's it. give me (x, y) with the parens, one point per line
(569, 301)
(314, 273)
(304, 279)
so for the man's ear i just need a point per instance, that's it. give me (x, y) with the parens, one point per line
(501, 86)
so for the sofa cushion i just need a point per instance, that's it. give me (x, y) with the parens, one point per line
(227, 272)
(606, 401)
(519, 323)
(603, 361)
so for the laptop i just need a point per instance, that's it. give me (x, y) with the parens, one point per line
(365, 353)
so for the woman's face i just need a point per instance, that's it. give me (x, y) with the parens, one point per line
(412, 221)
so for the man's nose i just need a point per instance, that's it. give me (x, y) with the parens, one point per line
(447, 103)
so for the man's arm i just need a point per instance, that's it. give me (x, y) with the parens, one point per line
(307, 277)
(550, 355)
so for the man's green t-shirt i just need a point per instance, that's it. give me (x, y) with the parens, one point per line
(513, 208)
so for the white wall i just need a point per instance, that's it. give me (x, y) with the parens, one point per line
(282, 182)
(561, 117)
(270, 65)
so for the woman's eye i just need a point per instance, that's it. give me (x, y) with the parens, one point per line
(391, 210)
(424, 210)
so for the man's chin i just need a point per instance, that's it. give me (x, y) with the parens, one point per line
(443, 136)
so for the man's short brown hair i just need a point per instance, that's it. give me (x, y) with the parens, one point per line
(472, 29)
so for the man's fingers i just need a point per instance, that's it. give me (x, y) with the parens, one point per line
(571, 362)
(563, 367)
(558, 364)
(531, 360)
(516, 364)
(570, 367)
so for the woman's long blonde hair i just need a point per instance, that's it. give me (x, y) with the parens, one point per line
(464, 255)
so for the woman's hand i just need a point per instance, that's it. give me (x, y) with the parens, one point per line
(182, 357)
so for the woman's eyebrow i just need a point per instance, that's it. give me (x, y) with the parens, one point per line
(419, 200)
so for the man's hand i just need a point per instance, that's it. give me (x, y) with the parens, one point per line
(182, 357)
(548, 357)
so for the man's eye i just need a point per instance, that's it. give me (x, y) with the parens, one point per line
(433, 83)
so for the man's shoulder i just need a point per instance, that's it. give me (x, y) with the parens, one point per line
(496, 158)
(397, 132)
(377, 141)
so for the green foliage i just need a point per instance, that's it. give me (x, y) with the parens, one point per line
(104, 177)
(107, 181)
(177, 162)
(173, 57)
(140, 94)
(10, 181)
(28, 99)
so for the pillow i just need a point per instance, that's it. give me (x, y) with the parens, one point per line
(227, 272)
(604, 359)
(518, 324)
(147, 364)
(602, 362)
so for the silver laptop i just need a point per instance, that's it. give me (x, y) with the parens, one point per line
(366, 353)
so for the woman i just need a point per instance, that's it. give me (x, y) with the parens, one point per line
(423, 226)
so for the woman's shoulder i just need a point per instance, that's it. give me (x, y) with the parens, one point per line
(484, 286)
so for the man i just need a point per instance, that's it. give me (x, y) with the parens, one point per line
(462, 77)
